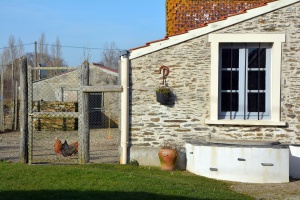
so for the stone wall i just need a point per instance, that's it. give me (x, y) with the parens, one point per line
(189, 64)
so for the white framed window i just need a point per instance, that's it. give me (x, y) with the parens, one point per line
(245, 69)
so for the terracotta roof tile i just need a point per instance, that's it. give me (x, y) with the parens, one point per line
(179, 12)
(105, 67)
(189, 14)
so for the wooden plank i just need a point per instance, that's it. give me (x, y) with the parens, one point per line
(54, 114)
(102, 88)
(54, 68)
(70, 89)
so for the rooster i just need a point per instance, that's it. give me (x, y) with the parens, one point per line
(75, 144)
(57, 146)
(69, 150)
(65, 149)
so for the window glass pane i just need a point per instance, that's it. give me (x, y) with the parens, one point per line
(257, 57)
(253, 102)
(229, 99)
(255, 79)
(95, 100)
(226, 58)
(226, 77)
(43, 73)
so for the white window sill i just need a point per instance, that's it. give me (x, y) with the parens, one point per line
(245, 122)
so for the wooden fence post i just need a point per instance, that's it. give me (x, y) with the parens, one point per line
(23, 111)
(16, 113)
(1, 100)
(84, 153)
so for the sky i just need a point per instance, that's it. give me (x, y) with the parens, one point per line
(79, 23)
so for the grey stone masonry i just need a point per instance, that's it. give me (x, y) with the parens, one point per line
(190, 77)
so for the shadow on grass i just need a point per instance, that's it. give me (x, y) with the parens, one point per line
(85, 195)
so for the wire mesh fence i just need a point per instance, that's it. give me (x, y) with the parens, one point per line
(8, 116)
(10, 146)
(9, 90)
(54, 129)
(53, 106)
(104, 112)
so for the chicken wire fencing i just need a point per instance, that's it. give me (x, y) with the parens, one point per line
(53, 108)
(54, 103)
(104, 109)
(54, 131)
(9, 84)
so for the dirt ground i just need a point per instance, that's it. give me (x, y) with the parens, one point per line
(104, 149)
(286, 191)
(104, 146)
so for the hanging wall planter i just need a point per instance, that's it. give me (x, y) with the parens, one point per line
(163, 94)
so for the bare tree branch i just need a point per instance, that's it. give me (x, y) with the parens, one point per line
(20, 49)
(86, 53)
(111, 55)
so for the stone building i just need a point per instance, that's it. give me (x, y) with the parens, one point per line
(232, 78)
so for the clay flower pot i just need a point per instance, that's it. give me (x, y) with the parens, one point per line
(167, 158)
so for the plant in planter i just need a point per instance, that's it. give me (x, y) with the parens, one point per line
(163, 93)
(168, 155)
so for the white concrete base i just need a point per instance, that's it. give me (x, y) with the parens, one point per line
(241, 163)
(295, 161)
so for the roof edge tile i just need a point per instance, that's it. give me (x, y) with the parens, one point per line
(206, 24)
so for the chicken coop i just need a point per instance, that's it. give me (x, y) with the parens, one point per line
(57, 105)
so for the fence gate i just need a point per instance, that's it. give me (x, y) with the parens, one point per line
(53, 109)
(57, 109)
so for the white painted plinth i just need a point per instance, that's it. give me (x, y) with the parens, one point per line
(242, 163)
(295, 161)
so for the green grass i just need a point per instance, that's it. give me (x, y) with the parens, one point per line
(112, 182)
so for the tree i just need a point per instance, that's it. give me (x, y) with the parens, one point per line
(30, 58)
(11, 76)
(56, 54)
(86, 53)
(10, 66)
(20, 49)
(42, 49)
(110, 55)
(12, 48)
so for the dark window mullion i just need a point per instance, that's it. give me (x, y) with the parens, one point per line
(258, 54)
(231, 81)
(245, 81)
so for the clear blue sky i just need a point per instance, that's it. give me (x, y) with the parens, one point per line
(79, 23)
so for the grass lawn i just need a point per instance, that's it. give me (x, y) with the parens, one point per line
(112, 182)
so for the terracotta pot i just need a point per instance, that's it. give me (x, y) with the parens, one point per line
(167, 158)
